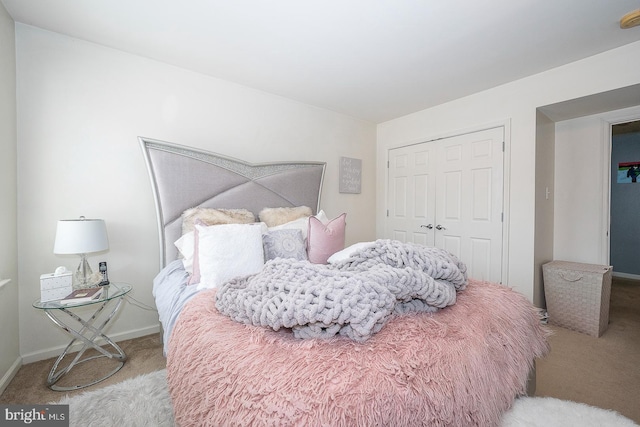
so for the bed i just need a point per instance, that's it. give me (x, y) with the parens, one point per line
(416, 342)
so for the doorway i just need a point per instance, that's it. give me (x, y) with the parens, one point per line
(624, 204)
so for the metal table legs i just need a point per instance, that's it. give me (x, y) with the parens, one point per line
(88, 334)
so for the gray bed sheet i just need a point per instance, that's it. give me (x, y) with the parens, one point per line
(171, 292)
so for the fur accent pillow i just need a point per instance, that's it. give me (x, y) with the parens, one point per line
(279, 216)
(210, 216)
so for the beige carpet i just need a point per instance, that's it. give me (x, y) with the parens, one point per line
(29, 385)
(602, 372)
(605, 371)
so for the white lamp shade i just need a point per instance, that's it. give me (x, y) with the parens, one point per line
(80, 236)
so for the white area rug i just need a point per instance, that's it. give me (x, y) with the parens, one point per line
(140, 401)
(145, 401)
(550, 412)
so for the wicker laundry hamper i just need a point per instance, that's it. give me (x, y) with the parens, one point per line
(578, 295)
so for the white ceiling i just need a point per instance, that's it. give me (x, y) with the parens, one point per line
(371, 59)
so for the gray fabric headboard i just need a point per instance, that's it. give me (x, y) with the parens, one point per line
(184, 177)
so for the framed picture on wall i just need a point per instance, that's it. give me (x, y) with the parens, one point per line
(628, 172)
(350, 175)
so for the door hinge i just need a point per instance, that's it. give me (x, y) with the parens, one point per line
(503, 146)
(502, 217)
(387, 212)
(387, 164)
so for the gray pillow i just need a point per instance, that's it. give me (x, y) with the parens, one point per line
(284, 244)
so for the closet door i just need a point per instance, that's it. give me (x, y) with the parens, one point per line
(448, 193)
(469, 207)
(411, 187)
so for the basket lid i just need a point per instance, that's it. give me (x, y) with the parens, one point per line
(578, 266)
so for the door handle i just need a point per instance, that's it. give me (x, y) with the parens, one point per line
(428, 226)
(439, 227)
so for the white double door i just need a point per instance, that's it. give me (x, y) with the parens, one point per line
(449, 194)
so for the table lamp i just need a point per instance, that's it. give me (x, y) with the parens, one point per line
(81, 237)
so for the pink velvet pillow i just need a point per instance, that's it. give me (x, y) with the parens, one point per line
(323, 240)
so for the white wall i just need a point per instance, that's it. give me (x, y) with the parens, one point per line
(582, 186)
(516, 104)
(9, 346)
(81, 108)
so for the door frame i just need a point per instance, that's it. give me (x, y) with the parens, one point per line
(506, 177)
(607, 138)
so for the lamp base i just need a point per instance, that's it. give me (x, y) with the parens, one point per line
(83, 274)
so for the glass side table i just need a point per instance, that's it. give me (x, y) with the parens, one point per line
(87, 333)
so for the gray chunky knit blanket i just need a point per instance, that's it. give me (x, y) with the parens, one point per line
(353, 298)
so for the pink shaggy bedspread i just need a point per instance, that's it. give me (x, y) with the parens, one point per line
(461, 366)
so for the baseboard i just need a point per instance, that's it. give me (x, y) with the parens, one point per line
(626, 276)
(8, 376)
(56, 351)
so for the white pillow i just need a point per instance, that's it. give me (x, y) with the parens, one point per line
(301, 224)
(228, 251)
(185, 245)
(348, 251)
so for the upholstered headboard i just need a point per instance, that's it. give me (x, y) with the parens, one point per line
(184, 177)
